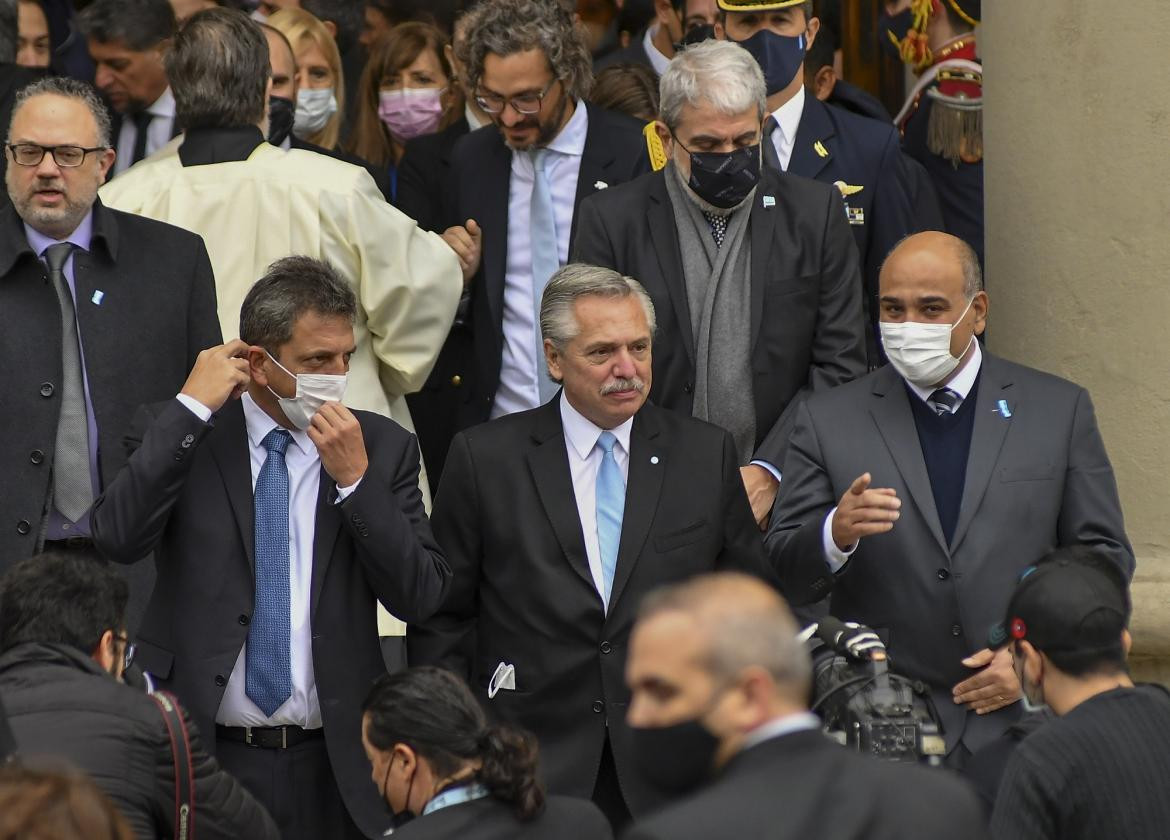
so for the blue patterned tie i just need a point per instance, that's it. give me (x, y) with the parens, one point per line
(269, 673)
(545, 257)
(611, 503)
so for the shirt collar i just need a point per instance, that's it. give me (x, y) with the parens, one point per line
(785, 725)
(571, 140)
(81, 236)
(260, 424)
(582, 434)
(164, 106)
(964, 380)
(658, 61)
(473, 122)
(787, 116)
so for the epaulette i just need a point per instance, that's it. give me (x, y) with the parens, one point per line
(654, 147)
(955, 128)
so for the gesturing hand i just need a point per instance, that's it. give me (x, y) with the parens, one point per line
(761, 487)
(338, 437)
(863, 511)
(220, 373)
(994, 687)
(467, 243)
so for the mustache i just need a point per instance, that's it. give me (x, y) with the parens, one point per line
(634, 384)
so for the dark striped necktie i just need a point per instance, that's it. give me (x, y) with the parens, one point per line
(944, 401)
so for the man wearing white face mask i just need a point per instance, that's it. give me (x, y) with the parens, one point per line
(277, 522)
(916, 495)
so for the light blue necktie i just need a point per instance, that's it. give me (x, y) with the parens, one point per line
(611, 503)
(546, 257)
(269, 673)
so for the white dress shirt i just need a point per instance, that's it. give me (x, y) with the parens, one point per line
(657, 60)
(787, 118)
(519, 388)
(785, 725)
(158, 133)
(584, 463)
(962, 384)
(304, 480)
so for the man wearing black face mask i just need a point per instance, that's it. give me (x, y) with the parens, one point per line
(755, 274)
(861, 157)
(677, 23)
(719, 689)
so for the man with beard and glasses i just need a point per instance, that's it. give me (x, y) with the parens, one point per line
(755, 272)
(63, 648)
(521, 180)
(557, 520)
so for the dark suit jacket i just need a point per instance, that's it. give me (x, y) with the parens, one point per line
(563, 818)
(481, 171)
(186, 494)
(802, 786)
(422, 173)
(507, 519)
(807, 330)
(635, 53)
(381, 176)
(1035, 480)
(156, 313)
(13, 77)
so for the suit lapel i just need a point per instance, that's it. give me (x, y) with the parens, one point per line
(987, 438)
(229, 448)
(763, 226)
(815, 127)
(664, 235)
(596, 161)
(891, 413)
(493, 192)
(549, 464)
(325, 530)
(643, 486)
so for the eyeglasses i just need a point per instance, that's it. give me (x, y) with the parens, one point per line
(128, 652)
(526, 104)
(31, 154)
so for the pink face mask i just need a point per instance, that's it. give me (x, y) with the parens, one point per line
(410, 112)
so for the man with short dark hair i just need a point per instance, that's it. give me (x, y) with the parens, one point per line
(1100, 768)
(676, 24)
(128, 40)
(278, 520)
(63, 647)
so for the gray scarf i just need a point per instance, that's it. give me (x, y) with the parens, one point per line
(718, 284)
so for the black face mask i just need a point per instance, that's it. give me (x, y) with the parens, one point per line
(724, 179)
(675, 758)
(897, 26)
(280, 119)
(695, 35)
(398, 818)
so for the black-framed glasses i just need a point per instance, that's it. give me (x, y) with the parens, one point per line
(31, 154)
(127, 652)
(526, 104)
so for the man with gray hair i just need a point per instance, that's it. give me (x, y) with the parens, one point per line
(100, 311)
(557, 520)
(719, 694)
(755, 274)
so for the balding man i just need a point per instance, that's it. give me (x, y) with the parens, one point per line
(917, 495)
(719, 685)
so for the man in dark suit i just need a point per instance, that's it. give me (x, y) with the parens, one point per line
(916, 496)
(277, 521)
(755, 274)
(522, 181)
(550, 550)
(804, 136)
(720, 688)
(102, 311)
(12, 76)
(676, 22)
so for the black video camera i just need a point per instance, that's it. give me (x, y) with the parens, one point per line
(862, 703)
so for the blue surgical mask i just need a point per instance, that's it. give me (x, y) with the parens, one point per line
(779, 57)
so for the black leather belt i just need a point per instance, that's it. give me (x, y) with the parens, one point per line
(268, 737)
(70, 544)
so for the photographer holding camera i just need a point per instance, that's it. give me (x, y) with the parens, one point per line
(719, 685)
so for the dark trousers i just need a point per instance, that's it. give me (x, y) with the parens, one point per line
(296, 785)
(607, 793)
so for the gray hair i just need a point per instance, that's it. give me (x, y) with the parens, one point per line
(292, 287)
(218, 69)
(70, 89)
(719, 72)
(745, 623)
(139, 25)
(558, 323)
(9, 31)
(505, 27)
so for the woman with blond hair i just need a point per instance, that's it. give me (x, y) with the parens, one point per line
(320, 83)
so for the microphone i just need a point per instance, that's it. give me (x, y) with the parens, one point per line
(850, 639)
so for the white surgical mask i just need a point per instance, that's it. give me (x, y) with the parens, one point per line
(314, 108)
(313, 391)
(921, 353)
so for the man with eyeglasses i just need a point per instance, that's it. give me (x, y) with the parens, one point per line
(100, 312)
(63, 648)
(521, 180)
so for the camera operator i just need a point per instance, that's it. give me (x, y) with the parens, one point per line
(719, 687)
(62, 653)
(1099, 768)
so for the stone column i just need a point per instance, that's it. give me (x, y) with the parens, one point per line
(1077, 141)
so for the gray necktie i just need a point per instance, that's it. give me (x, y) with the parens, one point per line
(944, 401)
(72, 487)
(545, 257)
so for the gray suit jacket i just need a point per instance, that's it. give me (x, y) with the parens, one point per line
(1035, 480)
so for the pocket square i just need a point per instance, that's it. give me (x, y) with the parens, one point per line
(504, 677)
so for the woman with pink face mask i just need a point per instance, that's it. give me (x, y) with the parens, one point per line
(406, 91)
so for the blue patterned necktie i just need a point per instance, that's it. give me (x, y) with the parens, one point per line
(611, 504)
(944, 401)
(269, 672)
(545, 257)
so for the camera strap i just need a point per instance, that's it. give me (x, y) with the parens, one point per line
(184, 768)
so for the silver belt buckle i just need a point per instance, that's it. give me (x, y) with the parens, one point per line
(284, 737)
(248, 735)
